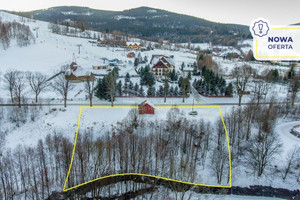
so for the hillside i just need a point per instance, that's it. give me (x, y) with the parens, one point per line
(171, 143)
(147, 23)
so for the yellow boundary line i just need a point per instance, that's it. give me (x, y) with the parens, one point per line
(147, 175)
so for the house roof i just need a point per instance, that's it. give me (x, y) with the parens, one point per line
(132, 43)
(163, 63)
(156, 58)
(147, 102)
(167, 61)
(74, 64)
(160, 64)
(79, 71)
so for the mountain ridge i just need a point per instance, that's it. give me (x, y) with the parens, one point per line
(146, 22)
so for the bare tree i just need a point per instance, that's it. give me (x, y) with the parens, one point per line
(19, 86)
(207, 61)
(62, 86)
(241, 75)
(185, 85)
(260, 90)
(37, 82)
(262, 149)
(218, 162)
(166, 87)
(89, 88)
(294, 87)
(111, 87)
(290, 161)
(10, 79)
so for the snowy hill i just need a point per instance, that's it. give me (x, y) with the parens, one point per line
(145, 22)
(52, 50)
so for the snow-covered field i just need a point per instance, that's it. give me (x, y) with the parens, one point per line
(65, 121)
(49, 122)
(51, 51)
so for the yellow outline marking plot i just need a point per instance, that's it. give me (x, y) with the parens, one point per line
(147, 175)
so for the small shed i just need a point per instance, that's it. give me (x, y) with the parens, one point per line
(146, 108)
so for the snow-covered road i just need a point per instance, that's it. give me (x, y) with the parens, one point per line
(288, 140)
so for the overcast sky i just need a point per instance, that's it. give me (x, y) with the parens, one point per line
(278, 12)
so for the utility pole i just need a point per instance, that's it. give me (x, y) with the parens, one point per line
(79, 45)
(36, 29)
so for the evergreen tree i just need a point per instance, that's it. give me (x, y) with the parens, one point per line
(119, 88)
(206, 89)
(115, 71)
(182, 66)
(140, 59)
(141, 91)
(273, 75)
(98, 89)
(173, 76)
(125, 90)
(195, 69)
(213, 89)
(204, 71)
(151, 91)
(180, 81)
(136, 87)
(160, 91)
(145, 59)
(130, 85)
(190, 76)
(176, 92)
(149, 79)
(101, 89)
(229, 90)
(127, 77)
(147, 68)
(136, 62)
(195, 84)
(171, 91)
(105, 88)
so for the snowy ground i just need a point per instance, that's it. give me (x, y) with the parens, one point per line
(51, 51)
(96, 118)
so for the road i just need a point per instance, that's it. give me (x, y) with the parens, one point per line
(130, 104)
(198, 98)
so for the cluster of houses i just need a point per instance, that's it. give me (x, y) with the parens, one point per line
(128, 45)
(161, 66)
(133, 45)
(108, 64)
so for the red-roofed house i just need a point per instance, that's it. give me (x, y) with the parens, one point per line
(146, 108)
(163, 67)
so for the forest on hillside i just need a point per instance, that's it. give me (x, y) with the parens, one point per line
(15, 31)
